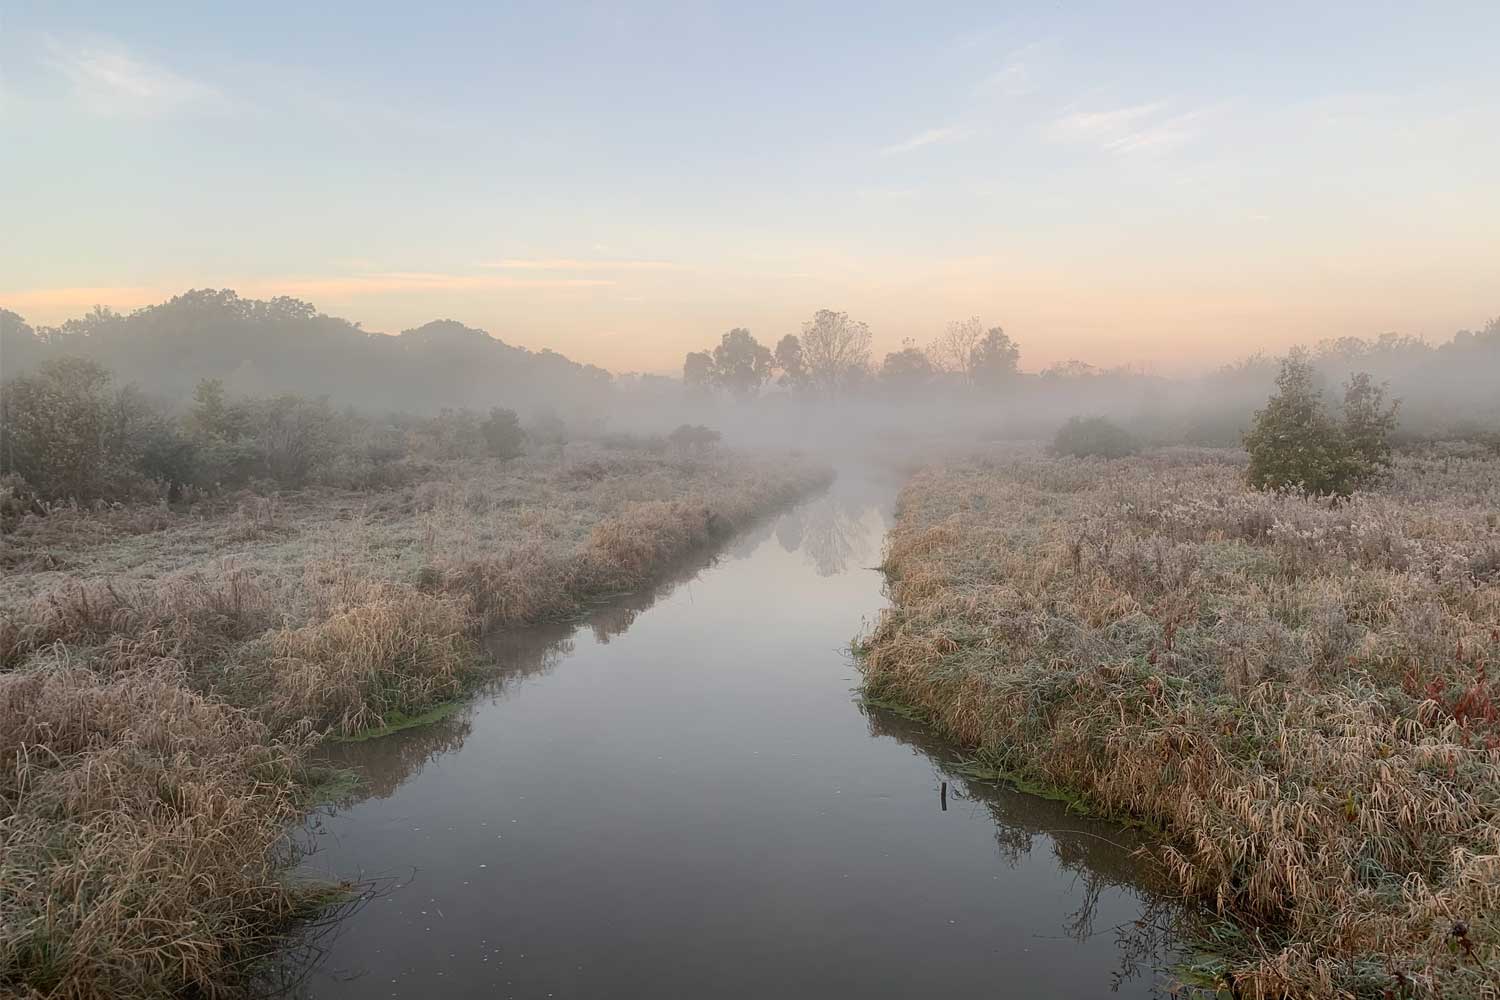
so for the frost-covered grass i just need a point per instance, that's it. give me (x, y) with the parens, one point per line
(1298, 693)
(164, 673)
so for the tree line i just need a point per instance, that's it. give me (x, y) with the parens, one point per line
(260, 347)
(70, 432)
(833, 355)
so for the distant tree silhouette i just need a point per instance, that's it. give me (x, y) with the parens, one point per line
(740, 363)
(995, 359)
(953, 350)
(698, 370)
(836, 350)
(788, 361)
(906, 371)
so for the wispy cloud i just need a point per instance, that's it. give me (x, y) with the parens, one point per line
(577, 264)
(1159, 137)
(948, 133)
(1146, 128)
(109, 80)
(1016, 75)
(1011, 80)
(1104, 125)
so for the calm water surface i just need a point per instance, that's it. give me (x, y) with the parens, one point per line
(681, 797)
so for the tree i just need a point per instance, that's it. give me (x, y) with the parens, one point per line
(697, 370)
(503, 437)
(1295, 444)
(209, 415)
(906, 370)
(835, 349)
(1368, 423)
(740, 363)
(954, 350)
(788, 361)
(56, 425)
(995, 358)
(1291, 442)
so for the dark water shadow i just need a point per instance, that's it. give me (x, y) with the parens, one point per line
(1099, 855)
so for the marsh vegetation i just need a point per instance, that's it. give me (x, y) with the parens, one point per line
(1296, 691)
(168, 668)
(1276, 653)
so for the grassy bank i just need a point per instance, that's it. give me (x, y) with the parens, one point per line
(1297, 693)
(164, 673)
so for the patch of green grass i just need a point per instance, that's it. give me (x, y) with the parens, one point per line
(395, 722)
(327, 784)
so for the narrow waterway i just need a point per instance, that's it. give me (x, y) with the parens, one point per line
(682, 797)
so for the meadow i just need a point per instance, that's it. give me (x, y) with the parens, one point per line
(165, 672)
(1293, 692)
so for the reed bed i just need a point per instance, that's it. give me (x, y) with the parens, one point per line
(163, 676)
(1299, 695)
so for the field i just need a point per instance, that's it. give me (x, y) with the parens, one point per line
(1294, 693)
(164, 673)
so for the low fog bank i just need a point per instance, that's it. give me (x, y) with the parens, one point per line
(820, 389)
(918, 395)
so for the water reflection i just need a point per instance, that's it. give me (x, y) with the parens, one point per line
(1100, 856)
(832, 533)
(685, 802)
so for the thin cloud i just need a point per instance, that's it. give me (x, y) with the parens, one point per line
(1015, 78)
(109, 80)
(1139, 129)
(1011, 80)
(949, 133)
(1104, 125)
(577, 264)
(1158, 138)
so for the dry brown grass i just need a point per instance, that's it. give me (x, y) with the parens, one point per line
(163, 675)
(382, 651)
(142, 830)
(1300, 695)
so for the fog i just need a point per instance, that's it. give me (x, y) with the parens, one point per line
(820, 387)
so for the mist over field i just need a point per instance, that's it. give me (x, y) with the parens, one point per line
(743, 500)
(819, 386)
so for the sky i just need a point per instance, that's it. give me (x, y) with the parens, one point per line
(1170, 188)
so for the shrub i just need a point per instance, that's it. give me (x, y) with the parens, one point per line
(65, 432)
(16, 501)
(547, 430)
(1084, 437)
(694, 438)
(1294, 443)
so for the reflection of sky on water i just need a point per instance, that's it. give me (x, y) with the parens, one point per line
(678, 797)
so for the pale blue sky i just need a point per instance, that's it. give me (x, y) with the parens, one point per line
(1173, 187)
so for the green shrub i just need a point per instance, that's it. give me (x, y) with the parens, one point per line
(1295, 444)
(1084, 437)
(71, 436)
